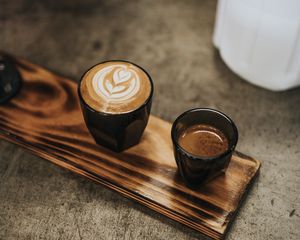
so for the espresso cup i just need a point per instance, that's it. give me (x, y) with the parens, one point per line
(199, 168)
(113, 119)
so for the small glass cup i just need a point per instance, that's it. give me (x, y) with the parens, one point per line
(196, 169)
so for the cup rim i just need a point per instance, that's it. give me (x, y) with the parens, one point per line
(195, 157)
(115, 114)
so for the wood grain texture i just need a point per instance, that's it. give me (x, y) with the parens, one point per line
(45, 118)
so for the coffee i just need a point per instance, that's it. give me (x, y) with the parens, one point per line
(203, 140)
(115, 87)
(115, 98)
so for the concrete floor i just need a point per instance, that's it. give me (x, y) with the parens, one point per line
(172, 40)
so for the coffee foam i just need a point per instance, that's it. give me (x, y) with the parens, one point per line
(115, 87)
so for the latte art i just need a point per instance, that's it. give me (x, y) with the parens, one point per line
(115, 87)
(123, 85)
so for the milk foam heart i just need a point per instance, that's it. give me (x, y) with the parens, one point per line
(121, 75)
(115, 87)
(123, 85)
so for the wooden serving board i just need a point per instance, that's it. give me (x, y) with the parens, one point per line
(45, 118)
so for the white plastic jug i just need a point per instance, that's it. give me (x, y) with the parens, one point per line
(260, 40)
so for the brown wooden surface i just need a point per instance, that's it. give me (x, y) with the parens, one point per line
(45, 118)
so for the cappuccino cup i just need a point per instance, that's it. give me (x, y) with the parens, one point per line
(115, 98)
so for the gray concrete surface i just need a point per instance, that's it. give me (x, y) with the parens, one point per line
(172, 40)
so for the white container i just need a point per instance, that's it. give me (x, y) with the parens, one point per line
(260, 40)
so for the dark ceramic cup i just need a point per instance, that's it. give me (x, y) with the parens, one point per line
(117, 132)
(196, 169)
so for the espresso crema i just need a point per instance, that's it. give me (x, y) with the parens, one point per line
(203, 140)
(115, 87)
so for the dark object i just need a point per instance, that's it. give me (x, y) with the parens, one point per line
(117, 131)
(146, 173)
(195, 169)
(10, 80)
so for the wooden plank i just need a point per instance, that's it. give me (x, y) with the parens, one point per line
(45, 118)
